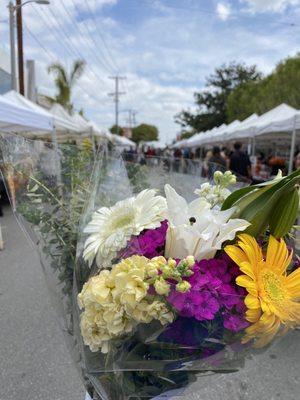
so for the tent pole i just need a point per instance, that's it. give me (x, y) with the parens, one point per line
(253, 146)
(249, 146)
(292, 149)
(93, 141)
(56, 158)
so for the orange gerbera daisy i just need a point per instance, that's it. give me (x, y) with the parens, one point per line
(273, 296)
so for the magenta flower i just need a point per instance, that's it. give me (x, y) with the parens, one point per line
(208, 306)
(213, 291)
(150, 243)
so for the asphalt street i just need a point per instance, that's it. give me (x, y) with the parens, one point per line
(35, 364)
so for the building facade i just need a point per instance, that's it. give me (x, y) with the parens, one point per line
(5, 79)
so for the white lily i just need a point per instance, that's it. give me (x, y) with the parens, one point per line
(195, 229)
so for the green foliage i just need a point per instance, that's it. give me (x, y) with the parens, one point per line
(55, 212)
(273, 205)
(187, 134)
(281, 86)
(212, 102)
(116, 130)
(144, 132)
(65, 82)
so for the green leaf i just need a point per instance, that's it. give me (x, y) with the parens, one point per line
(259, 211)
(235, 196)
(284, 214)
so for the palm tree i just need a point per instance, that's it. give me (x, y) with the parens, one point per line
(65, 82)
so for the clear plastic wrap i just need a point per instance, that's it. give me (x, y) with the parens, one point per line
(198, 323)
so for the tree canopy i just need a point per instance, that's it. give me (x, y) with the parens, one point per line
(65, 82)
(144, 132)
(281, 86)
(116, 130)
(212, 102)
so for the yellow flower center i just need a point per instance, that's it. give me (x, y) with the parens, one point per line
(122, 221)
(273, 287)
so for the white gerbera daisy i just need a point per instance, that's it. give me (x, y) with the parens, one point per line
(111, 228)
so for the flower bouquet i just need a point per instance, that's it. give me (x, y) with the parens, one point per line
(160, 277)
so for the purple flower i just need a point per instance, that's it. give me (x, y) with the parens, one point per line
(213, 291)
(234, 322)
(150, 243)
(208, 306)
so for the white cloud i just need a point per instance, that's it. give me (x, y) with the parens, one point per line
(277, 6)
(223, 11)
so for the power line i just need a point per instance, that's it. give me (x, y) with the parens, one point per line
(115, 66)
(53, 59)
(113, 62)
(72, 51)
(108, 69)
(89, 33)
(73, 48)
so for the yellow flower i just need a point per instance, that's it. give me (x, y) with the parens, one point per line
(115, 301)
(96, 290)
(161, 286)
(158, 310)
(273, 296)
(129, 280)
(183, 286)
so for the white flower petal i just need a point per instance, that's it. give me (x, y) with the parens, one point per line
(203, 237)
(228, 231)
(177, 207)
(111, 228)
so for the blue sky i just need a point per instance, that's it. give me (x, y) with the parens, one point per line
(165, 48)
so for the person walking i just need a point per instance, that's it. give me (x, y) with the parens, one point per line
(240, 162)
(216, 162)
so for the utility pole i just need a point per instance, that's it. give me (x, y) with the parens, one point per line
(133, 114)
(20, 46)
(131, 118)
(116, 95)
(11, 9)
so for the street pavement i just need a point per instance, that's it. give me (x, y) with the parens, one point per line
(35, 364)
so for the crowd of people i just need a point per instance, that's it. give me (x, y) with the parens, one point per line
(179, 160)
(205, 164)
(256, 169)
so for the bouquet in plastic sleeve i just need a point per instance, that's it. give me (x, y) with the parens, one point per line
(176, 279)
(163, 276)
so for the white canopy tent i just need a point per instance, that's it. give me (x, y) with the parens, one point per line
(61, 124)
(64, 121)
(153, 143)
(122, 141)
(277, 126)
(281, 123)
(15, 118)
(197, 139)
(101, 133)
(282, 118)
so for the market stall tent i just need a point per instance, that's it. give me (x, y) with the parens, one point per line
(122, 141)
(280, 119)
(16, 118)
(64, 121)
(61, 124)
(197, 140)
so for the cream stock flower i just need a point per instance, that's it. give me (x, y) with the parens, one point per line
(111, 228)
(115, 301)
(161, 286)
(158, 310)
